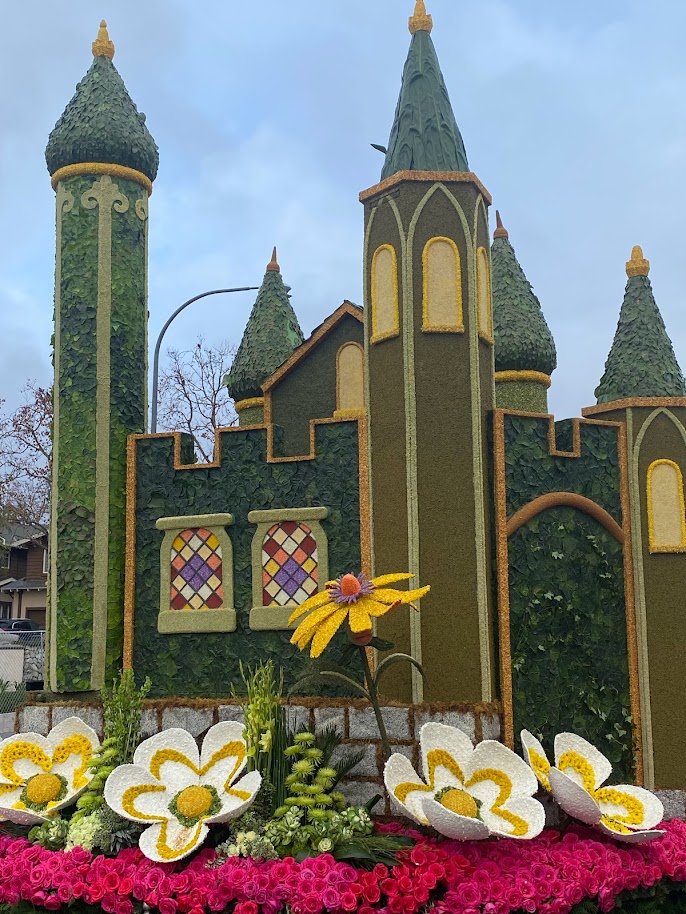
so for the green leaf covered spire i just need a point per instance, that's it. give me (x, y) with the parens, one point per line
(641, 362)
(101, 123)
(425, 135)
(270, 337)
(523, 341)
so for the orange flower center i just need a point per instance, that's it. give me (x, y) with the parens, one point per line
(43, 789)
(460, 802)
(350, 585)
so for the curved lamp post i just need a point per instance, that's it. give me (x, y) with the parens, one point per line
(158, 344)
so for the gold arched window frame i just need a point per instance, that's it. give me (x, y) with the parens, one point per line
(343, 411)
(429, 326)
(654, 546)
(393, 329)
(483, 284)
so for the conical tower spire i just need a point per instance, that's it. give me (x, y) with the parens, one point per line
(270, 336)
(641, 362)
(424, 135)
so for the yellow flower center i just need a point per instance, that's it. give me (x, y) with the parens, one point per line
(43, 789)
(350, 585)
(194, 802)
(460, 802)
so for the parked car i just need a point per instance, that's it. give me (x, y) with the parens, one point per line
(18, 625)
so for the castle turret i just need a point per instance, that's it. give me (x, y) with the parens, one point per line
(270, 337)
(525, 355)
(429, 349)
(641, 362)
(102, 161)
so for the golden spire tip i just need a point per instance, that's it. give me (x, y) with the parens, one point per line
(273, 265)
(102, 46)
(500, 231)
(638, 265)
(420, 21)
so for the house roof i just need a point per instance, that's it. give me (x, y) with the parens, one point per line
(24, 584)
(316, 337)
(13, 535)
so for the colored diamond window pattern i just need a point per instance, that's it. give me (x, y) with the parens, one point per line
(196, 570)
(290, 567)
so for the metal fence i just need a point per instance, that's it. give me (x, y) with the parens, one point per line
(22, 656)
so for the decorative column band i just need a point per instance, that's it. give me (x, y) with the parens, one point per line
(569, 500)
(250, 403)
(102, 168)
(537, 376)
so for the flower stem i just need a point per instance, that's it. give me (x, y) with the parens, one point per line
(374, 699)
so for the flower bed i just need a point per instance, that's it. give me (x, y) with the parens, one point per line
(580, 871)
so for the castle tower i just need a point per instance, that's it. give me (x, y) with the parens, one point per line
(102, 161)
(525, 355)
(429, 350)
(270, 337)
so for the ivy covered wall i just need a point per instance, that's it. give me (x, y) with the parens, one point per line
(207, 665)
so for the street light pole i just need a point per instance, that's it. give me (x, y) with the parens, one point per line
(158, 344)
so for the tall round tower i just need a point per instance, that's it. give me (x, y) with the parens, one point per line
(102, 161)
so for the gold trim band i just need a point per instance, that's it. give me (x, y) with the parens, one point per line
(538, 377)
(101, 168)
(250, 403)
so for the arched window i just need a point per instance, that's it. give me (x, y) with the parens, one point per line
(442, 307)
(666, 519)
(385, 314)
(483, 288)
(350, 378)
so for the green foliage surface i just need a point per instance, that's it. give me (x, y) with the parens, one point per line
(641, 362)
(424, 135)
(207, 665)
(102, 124)
(567, 614)
(523, 341)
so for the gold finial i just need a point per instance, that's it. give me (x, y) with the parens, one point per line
(500, 231)
(102, 46)
(273, 266)
(638, 265)
(420, 21)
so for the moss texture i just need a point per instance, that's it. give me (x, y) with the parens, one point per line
(528, 396)
(270, 337)
(424, 135)
(641, 362)
(207, 664)
(523, 341)
(102, 124)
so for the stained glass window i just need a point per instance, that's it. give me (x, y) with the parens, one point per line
(290, 564)
(196, 570)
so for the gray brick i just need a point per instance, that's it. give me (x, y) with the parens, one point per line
(407, 751)
(194, 720)
(90, 716)
(490, 726)
(330, 717)
(360, 792)
(149, 725)
(231, 712)
(673, 802)
(462, 720)
(34, 719)
(297, 718)
(363, 723)
(368, 767)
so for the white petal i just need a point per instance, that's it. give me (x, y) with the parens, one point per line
(74, 768)
(398, 771)
(570, 742)
(22, 767)
(448, 823)
(167, 841)
(23, 816)
(575, 801)
(234, 806)
(648, 810)
(534, 755)
(635, 837)
(434, 738)
(530, 819)
(71, 726)
(492, 755)
(224, 754)
(7, 800)
(138, 806)
(165, 755)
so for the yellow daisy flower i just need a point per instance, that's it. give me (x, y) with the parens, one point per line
(353, 598)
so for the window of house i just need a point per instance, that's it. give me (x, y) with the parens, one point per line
(385, 310)
(483, 287)
(442, 306)
(289, 563)
(350, 380)
(666, 518)
(4, 558)
(45, 561)
(196, 575)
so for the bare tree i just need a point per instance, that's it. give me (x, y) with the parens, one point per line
(193, 398)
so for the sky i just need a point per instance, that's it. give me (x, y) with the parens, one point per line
(264, 112)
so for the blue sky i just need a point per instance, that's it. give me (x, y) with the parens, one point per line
(572, 116)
